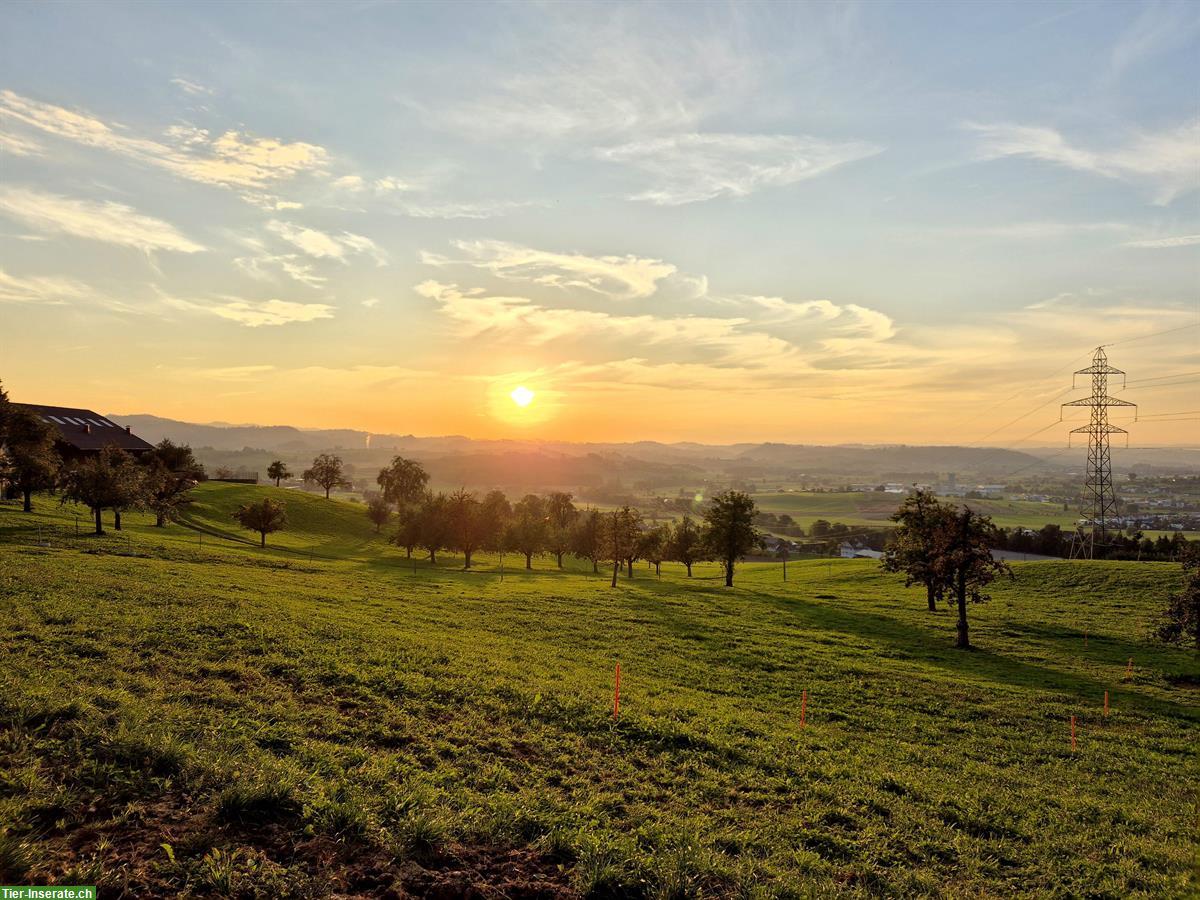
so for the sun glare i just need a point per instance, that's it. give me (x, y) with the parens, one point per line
(522, 396)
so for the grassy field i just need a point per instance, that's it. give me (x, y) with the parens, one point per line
(186, 715)
(875, 508)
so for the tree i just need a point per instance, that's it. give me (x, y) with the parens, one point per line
(686, 544)
(1181, 619)
(652, 546)
(730, 533)
(110, 479)
(224, 473)
(496, 513)
(278, 471)
(587, 538)
(920, 521)
(5, 412)
(468, 527)
(433, 524)
(265, 516)
(622, 529)
(964, 561)
(408, 534)
(171, 473)
(561, 513)
(379, 511)
(403, 481)
(327, 471)
(528, 528)
(31, 463)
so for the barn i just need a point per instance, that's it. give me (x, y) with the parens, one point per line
(80, 433)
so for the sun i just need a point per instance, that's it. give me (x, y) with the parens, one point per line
(521, 395)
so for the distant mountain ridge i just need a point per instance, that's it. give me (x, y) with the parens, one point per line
(744, 459)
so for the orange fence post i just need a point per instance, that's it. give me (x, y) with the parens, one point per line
(617, 694)
(1106, 704)
(803, 707)
(1129, 670)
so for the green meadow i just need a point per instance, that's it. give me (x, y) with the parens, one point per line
(184, 714)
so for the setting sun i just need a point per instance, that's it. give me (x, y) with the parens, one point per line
(522, 396)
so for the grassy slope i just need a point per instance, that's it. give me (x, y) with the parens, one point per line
(310, 726)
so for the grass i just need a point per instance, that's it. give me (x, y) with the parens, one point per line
(875, 507)
(183, 720)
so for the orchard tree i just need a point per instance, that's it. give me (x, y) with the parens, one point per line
(433, 524)
(379, 510)
(403, 482)
(468, 528)
(108, 480)
(587, 538)
(529, 527)
(562, 514)
(686, 544)
(408, 532)
(31, 463)
(730, 532)
(964, 561)
(619, 540)
(328, 471)
(277, 471)
(496, 513)
(921, 522)
(171, 473)
(652, 546)
(266, 516)
(1181, 619)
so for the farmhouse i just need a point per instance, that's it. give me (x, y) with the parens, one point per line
(81, 433)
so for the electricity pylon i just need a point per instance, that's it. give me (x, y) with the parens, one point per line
(1098, 481)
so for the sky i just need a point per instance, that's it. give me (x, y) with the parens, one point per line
(812, 223)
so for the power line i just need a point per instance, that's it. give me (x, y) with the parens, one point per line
(1142, 337)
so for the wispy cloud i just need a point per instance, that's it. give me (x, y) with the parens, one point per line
(19, 146)
(113, 223)
(320, 245)
(688, 168)
(230, 159)
(1182, 240)
(255, 313)
(1167, 161)
(1160, 27)
(624, 277)
(194, 88)
(43, 289)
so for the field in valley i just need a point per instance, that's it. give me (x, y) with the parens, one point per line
(184, 714)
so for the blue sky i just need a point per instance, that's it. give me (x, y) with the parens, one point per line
(855, 221)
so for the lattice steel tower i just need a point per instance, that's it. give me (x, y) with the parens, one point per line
(1098, 482)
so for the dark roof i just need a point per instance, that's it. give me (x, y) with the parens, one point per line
(87, 430)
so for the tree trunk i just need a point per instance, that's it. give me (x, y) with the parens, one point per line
(658, 569)
(160, 520)
(629, 570)
(559, 554)
(467, 559)
(964, 637)
(529, 561)
(28, 494)
(595, 567)
(689, 568)
(263, 543)
(729, 573)
(326, 493)
(99, 522)
(616, 567)
(277, 482)
(408, 552)
(117, 519)
(931, 596)
(432, 557)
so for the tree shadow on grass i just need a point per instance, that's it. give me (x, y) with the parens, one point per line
(978, 662)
